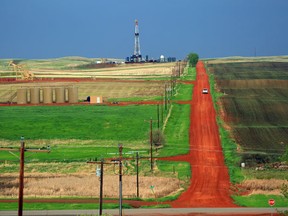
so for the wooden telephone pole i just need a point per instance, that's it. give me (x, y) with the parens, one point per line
(119, 160)
(101, 183)
(21, 172)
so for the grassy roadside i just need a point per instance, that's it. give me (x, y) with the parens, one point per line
(232, 159)
(259, 200)
(177, 128)
(189, 74)
(60, 206)
(177, 132)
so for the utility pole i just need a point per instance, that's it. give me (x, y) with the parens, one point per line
(158, 115)
(165, 97)
(151, 145)
(120, 178)
(21, 178)
(101, 188)
(137, 173)
(162, 112)
(21, 171)
(101, 175)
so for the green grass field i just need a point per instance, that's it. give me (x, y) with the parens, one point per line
(76, 122)
(61, 206)
(76, 132)
(260, 201)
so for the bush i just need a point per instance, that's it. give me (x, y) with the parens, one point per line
(253, 159)
(158, 138)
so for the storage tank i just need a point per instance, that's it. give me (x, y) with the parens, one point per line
(53, 95)
(35, 95)
(47, 95)
(22, 96)
(60, 95)
(73, 94)
(66, 95)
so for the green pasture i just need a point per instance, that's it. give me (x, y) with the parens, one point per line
(76, 122)
(60, 206)
(76, 132)
(70, 206)
(183, 92)
(260, 200)
(177, 131)
(74, 135)
(179, 169)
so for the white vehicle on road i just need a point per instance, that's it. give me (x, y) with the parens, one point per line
(205, 91)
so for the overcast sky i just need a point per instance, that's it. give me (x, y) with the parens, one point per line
(105, 28)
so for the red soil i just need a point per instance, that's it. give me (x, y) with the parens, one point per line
(209, 186)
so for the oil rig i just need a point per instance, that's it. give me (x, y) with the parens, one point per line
(136, 57)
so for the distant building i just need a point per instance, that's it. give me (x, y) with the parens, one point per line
(162, 58)
(171, 59)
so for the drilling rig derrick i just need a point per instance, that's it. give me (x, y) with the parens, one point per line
(136, 57)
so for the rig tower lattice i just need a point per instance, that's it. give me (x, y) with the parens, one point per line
(137, 57)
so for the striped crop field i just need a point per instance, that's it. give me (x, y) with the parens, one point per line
(255, 103)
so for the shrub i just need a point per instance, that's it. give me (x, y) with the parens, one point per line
(158, 138)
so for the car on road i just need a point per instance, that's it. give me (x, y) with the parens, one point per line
(205, 91)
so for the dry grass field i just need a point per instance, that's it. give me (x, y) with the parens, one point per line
(123, 72)
(119, 81)
(248, 59)
(263, 186)
(82, 181)
(108, 90)
(75, 68)
(87, 185)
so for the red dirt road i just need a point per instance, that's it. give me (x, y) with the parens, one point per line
(209, 186)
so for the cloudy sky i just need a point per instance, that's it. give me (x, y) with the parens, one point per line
(38, 29)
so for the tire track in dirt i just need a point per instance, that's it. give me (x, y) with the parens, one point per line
(209, 185)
